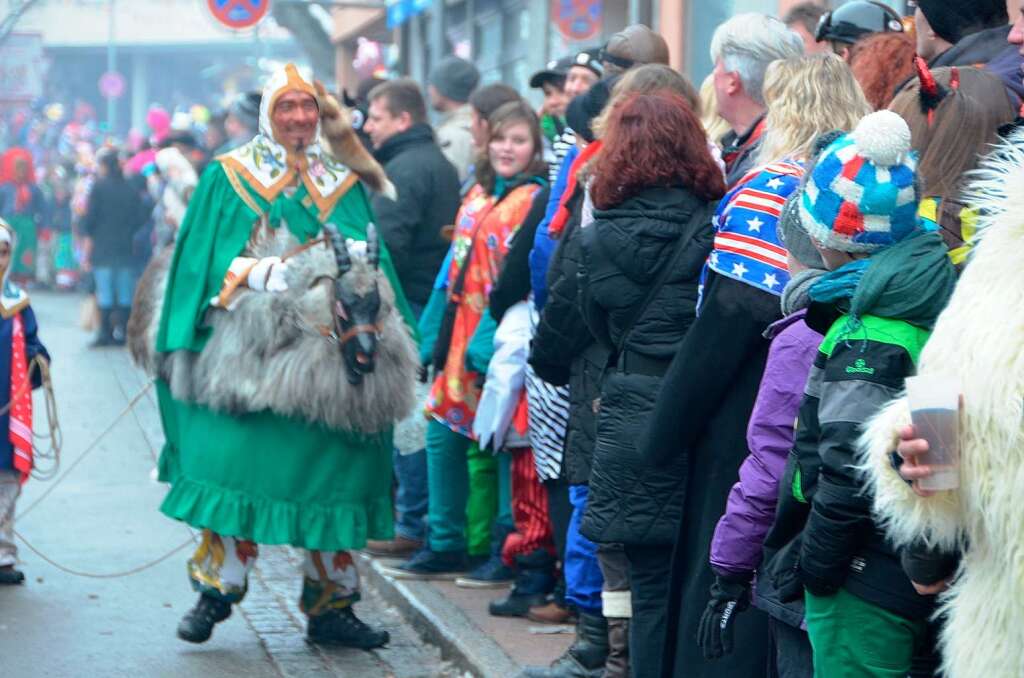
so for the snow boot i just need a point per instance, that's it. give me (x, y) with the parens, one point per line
(197, 624)
(343, 627)
(585, 658)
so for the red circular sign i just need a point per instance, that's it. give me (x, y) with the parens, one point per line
(238, 14)
(577, 19)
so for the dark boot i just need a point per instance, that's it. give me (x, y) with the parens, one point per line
(197, 624)
(342, 627)
(617, 664)
(106, 332)
(9, 575)
(585, 658)
(535, 579)
(119, 325)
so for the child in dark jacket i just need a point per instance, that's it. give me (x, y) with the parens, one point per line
(19, 346)
(889, 280)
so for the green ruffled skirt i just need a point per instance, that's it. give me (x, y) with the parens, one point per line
(274, 480)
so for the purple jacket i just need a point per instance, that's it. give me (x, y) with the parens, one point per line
(736, 547)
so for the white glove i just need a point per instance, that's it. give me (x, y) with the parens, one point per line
(268, 275)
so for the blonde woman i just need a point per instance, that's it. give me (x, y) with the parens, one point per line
(708, 392)
(714, 124)
(807, 97)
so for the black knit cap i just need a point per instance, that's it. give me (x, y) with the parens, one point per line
(587, 106)
(953, 20)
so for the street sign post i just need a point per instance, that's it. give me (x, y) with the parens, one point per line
(238, 14)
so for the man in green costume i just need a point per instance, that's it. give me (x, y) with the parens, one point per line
(262, 477)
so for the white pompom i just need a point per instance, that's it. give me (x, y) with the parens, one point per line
(883, 138)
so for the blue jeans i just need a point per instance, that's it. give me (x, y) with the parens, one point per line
(583, 579)
(115, 286)
(411, 495)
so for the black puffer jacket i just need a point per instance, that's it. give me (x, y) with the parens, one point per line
(631, 501)
(564, 352)
(428, 199)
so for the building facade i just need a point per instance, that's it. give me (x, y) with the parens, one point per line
(510, 39)
(170, 52)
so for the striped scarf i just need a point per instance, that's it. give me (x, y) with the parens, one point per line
(20, 415)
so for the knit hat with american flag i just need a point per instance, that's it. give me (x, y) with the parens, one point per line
(862, 194)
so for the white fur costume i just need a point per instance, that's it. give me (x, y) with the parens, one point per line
(979, 340)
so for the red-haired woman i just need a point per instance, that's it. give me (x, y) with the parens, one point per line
(654, 191)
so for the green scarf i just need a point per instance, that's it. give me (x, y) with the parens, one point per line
(503, 186)
(910, 281)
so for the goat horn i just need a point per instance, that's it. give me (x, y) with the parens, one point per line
(372, 245)
(340, 249)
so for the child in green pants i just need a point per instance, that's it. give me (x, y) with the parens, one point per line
(888, 282)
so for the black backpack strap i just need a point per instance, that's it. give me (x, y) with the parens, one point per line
(694, 225)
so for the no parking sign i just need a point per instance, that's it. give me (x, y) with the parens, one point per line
(238, 14)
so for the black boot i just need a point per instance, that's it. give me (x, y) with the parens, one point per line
(119, 325)
(535, 579)
(343, 627)
(585, 658)
(106, 333)
(9, 575)
(197, 624)
(617, 664)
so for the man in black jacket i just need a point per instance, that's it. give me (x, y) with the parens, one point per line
(413, 227)
(427, 186)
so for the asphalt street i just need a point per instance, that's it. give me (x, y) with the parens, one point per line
(102, 518)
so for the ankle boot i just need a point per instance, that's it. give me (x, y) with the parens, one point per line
(343, 627)
(105, 337)
(119, 325)
(617, 664)
(585, 658)
(197, 624)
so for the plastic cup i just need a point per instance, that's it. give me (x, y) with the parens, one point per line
(935, 410)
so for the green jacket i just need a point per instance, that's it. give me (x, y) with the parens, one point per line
(842, 546)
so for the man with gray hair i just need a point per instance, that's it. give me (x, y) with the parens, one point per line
(741, 50)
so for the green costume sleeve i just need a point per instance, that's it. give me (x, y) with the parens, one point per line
(430, 323)
(481, 345)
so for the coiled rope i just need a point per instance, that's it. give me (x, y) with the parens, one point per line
(52, 457)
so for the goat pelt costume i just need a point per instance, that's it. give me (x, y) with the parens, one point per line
(278, 406)
(978, 340)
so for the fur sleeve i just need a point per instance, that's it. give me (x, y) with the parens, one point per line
(905, 516)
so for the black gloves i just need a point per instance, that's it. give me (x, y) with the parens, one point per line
(729, 597)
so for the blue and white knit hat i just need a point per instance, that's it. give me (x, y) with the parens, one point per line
(862, 194)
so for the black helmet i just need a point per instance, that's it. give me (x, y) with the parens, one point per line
(856, 19)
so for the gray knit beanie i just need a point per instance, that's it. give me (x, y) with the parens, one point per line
(794, 236)
(454, 78)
